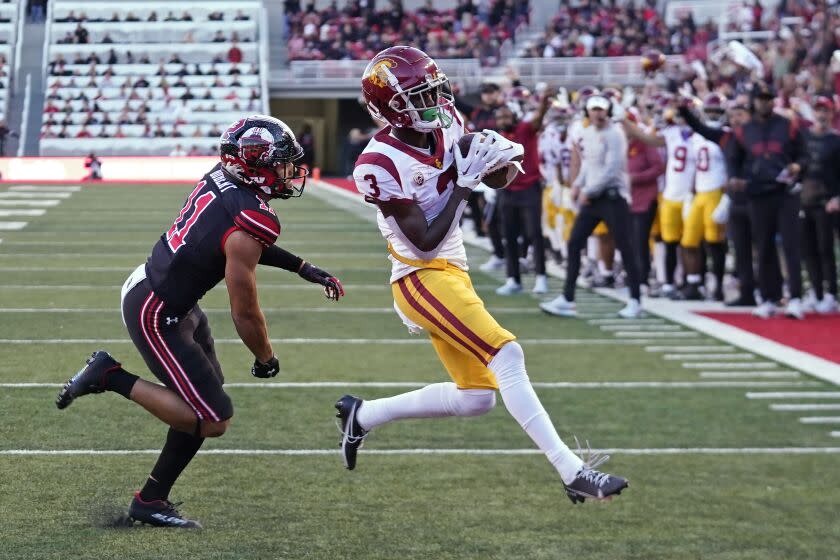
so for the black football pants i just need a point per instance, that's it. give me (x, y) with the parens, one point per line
(616, 213)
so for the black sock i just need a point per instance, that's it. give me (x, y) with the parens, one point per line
(718, 251)
(120, 381)
(178, 451)
(670, 262)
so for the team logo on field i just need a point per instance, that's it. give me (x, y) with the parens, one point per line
(379, 73)
(418, 178)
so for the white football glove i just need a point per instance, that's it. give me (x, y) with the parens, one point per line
(480, 157)
(720, 215)
(507, 150)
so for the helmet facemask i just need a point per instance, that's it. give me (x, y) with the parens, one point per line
(715, 117)
(427, 104)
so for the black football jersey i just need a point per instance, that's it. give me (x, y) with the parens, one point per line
(189, 258)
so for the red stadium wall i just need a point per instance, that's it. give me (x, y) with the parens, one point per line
(114, 169)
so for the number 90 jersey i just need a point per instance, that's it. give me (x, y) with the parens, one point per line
(189, 257)
(681, 165)
(389, 170)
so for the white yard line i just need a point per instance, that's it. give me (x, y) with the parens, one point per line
(803, 407)
(42, 203)
(809, 363)
(666, 334)
(709, 347)
(620, 321)
(351, 341)
(820, 420)
(725, 356)
(37, 212)
(536, 384)
(728, 365)
(443, 451)
(796, 395)
(35, 195)
(636, 327)
(45, 188)
(12, 226)
(225, 310)
(749, 374)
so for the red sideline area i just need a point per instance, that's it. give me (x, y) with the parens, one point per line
(817, 334)
(346, 184)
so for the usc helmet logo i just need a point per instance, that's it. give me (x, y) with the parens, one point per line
(379, 73)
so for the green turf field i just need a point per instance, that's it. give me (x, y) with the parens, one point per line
(688, 438)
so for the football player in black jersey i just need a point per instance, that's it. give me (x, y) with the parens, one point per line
(224, 229)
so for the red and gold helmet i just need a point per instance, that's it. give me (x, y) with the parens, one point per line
(404, 87)
(714, 107)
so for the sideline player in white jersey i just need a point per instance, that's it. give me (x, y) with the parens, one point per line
(555, 157)
(701, 222)
(414, 172)
(676, 138)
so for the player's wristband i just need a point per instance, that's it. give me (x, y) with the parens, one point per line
(280, 258)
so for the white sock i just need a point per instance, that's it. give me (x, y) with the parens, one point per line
(693, 278)
(524, 405)
(432, 401)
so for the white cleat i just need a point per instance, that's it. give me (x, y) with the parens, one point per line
(540, 285)
(559, 307)
(794, 309)
(828, 304)
(764, 310)
(493, 263)
(633, 310)
(509, 288)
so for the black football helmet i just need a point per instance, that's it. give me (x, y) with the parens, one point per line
(251, 148)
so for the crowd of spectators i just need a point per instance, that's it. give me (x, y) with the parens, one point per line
(120, 94)
(358, 31)
(608, 28)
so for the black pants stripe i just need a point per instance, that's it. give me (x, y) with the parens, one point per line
(615, 212)
(179, 351)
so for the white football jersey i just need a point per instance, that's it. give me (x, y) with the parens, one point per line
(680, 169)
(555, 148)
(390, 170)
(711, 165)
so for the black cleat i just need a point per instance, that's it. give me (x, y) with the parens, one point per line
(352, 434)
(590, 483)
(90, 379)
(159, 513)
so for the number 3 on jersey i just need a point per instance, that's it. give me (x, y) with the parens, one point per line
(189, 215)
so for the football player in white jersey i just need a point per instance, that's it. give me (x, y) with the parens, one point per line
(555, 157)
(414, 172)
(676, 137)
(701, 224)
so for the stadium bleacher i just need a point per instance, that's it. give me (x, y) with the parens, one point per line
(9, 14)
(135, 78)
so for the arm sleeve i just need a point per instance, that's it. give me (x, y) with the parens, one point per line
(655, 166)
(377, 178)
(713, 134)
(610, 173)
(262, 226)
(278, 257)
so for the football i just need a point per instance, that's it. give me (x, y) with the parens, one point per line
(497, 177)
(652, 61)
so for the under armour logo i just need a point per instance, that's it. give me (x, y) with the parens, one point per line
(171, 320)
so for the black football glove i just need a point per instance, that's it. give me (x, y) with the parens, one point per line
(332, 285)
(265, 370)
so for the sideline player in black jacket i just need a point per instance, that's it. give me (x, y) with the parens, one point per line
(761, 154)
(223, 231)
(821, 183)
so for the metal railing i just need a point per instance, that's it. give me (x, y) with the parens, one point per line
(619, 70)
(24, 127)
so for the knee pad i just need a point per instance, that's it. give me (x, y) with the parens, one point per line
(474, 402)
